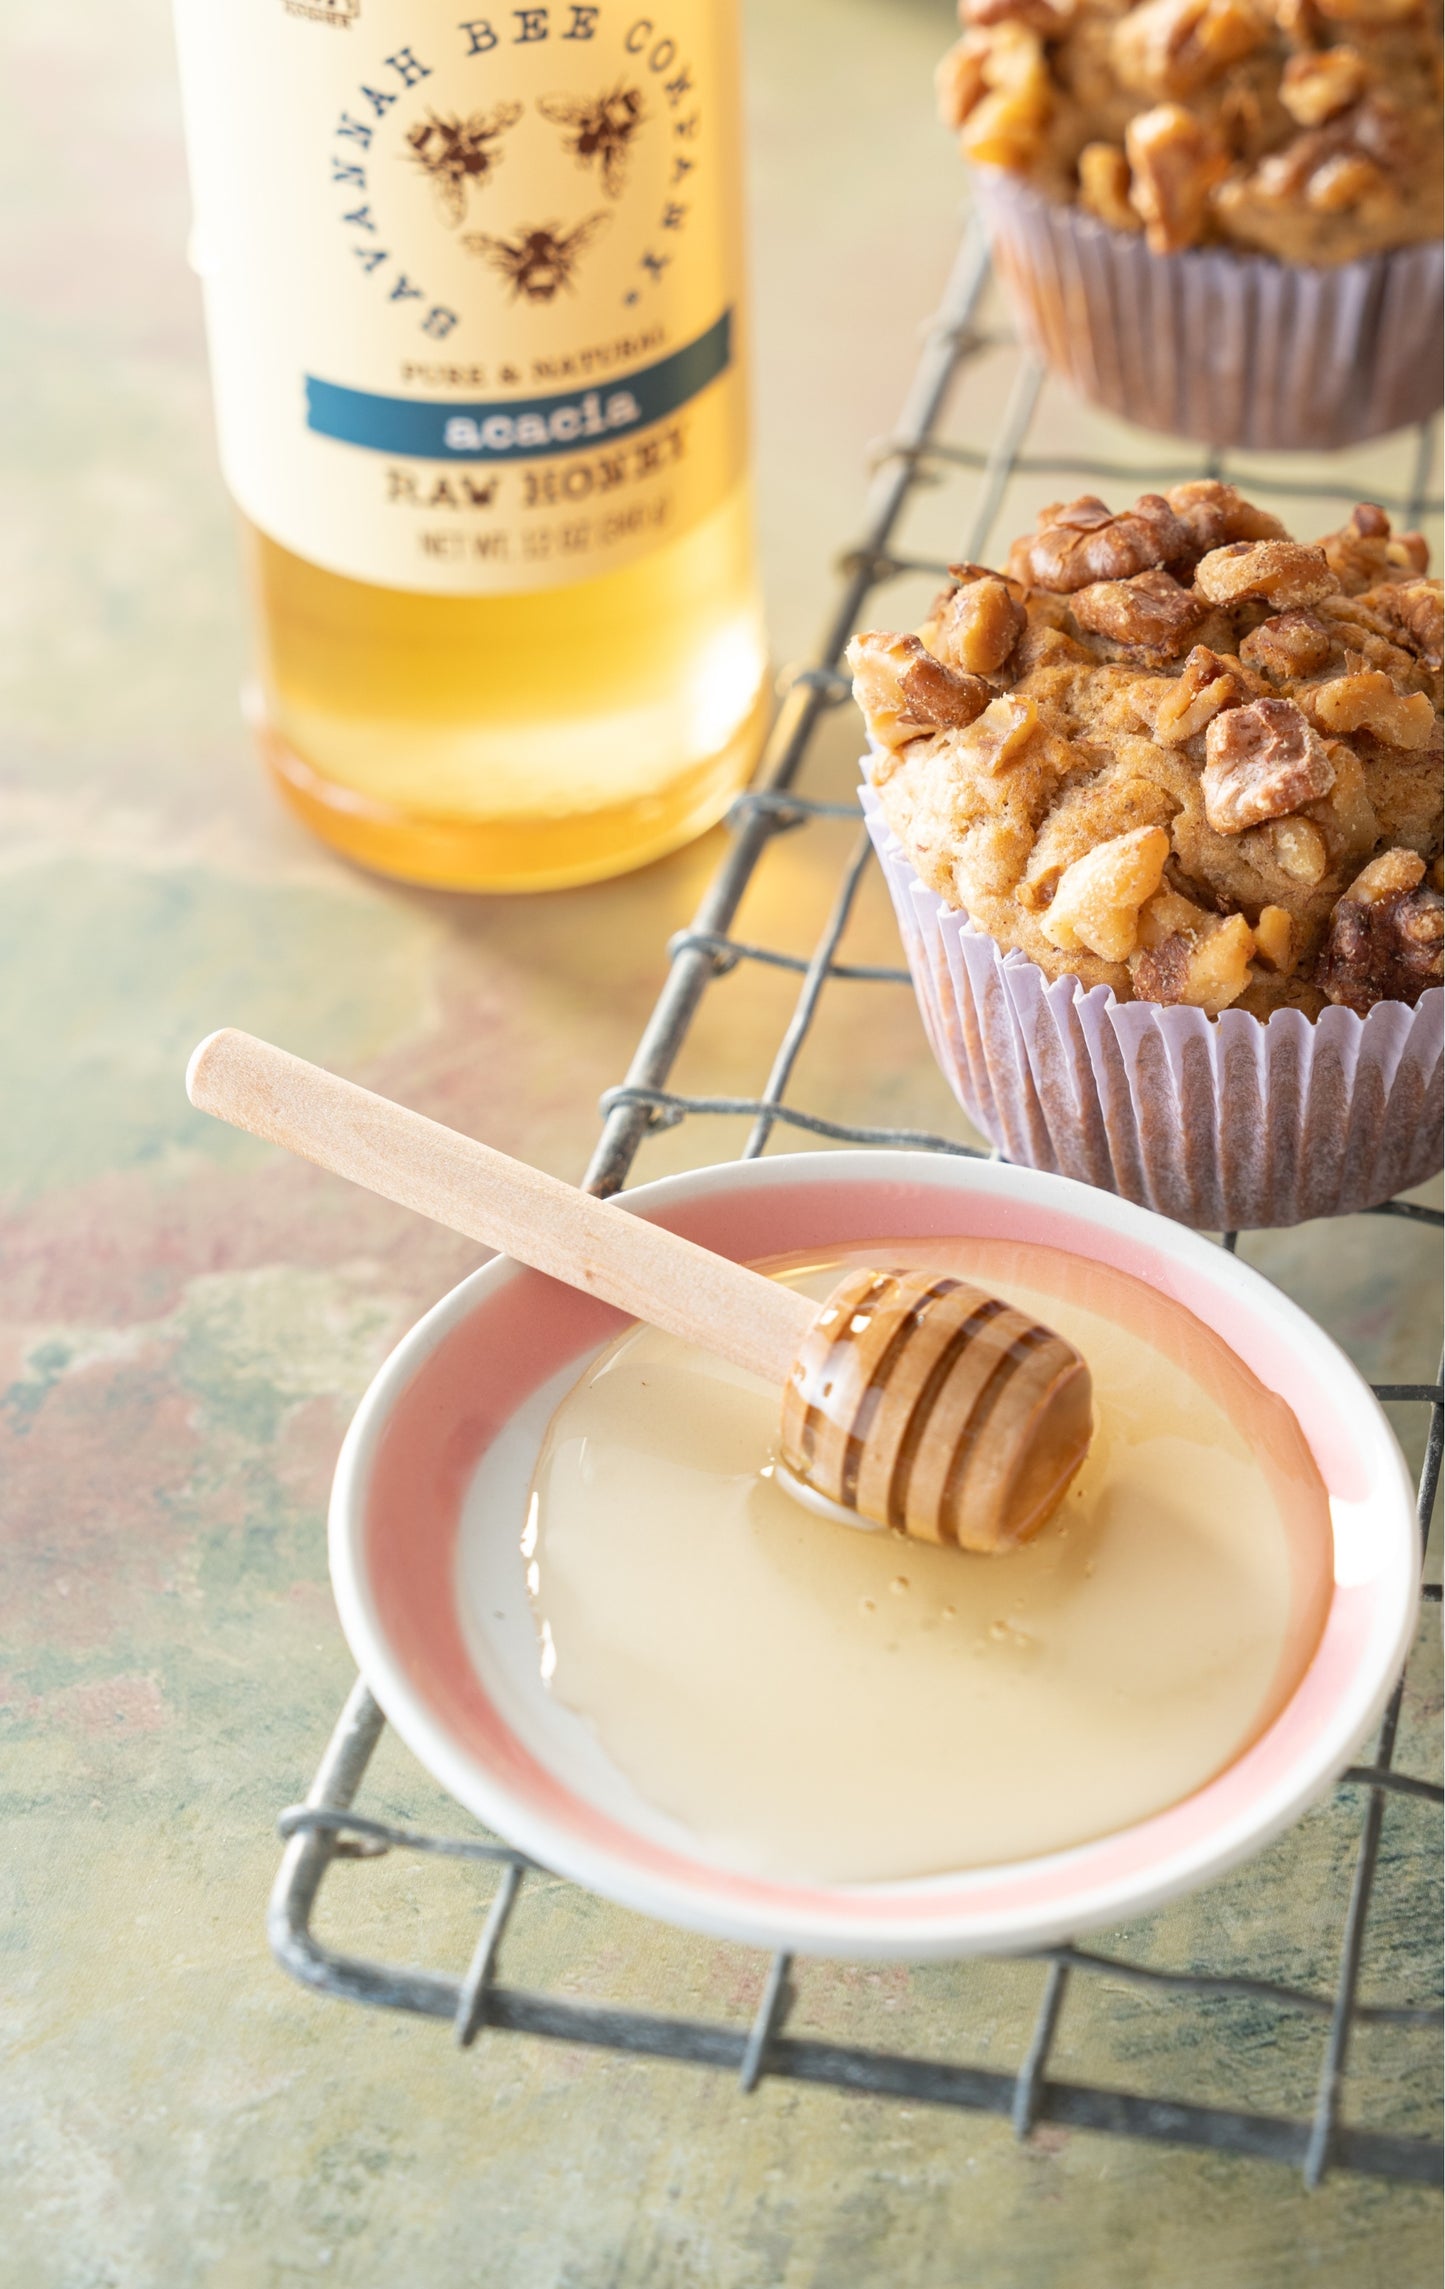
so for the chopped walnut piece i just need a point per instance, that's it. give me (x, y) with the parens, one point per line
(1216, 513)
(1079, 542)
(906, 693)
(936, 695)
(1007, 127)
(1298, 849)
(1206, 684)
(1365, 552)
(1151, 612)
(1291, 645)
(1175, 47)
(1097, 903)
(1207, 969)
(1283, 176)
(1104, 186)
(958, 80)
(1345, 180)
(1274, 939)
(977, 626)
(878, 661)
(1387, 876)
(1417, 609)
(1315, 86)
(1175, 163)
(1169, 914)
(1374, 133)
(1368, 701)
(1264, 761)
(1409, 555)
(1365, 639)
(1386, 939)
(1282, 572)
(1001, 732)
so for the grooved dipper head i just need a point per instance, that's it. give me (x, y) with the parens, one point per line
(925, 1405)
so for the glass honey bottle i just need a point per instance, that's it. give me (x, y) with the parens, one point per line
(474, 301)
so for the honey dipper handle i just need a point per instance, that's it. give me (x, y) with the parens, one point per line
(642, 1268)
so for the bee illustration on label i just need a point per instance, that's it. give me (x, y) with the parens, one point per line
(457, 152)
(603, 128)
(536, 263)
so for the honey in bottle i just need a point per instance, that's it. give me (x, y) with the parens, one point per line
(473, 296)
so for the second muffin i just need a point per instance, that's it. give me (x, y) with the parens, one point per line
(1216, 217)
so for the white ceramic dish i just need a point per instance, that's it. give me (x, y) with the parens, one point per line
(430, 1496)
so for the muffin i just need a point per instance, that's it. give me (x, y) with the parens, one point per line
(1160, 805)
(1217, 217)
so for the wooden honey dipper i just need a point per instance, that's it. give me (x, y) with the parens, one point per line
(909, 1398)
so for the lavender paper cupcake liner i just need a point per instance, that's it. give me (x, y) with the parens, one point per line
(1230, 348)
(1225, 1124)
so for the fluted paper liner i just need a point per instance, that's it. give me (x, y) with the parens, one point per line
(1223, 1123)
(1227, 347)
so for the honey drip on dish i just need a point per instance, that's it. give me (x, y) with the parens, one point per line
(811, 1701)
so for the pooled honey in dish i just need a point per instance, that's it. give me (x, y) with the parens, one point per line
(816, 1701)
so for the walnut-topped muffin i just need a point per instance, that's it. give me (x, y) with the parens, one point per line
(1174, 751)
(1306, 129)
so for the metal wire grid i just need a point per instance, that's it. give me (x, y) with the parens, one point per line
(326, 1827)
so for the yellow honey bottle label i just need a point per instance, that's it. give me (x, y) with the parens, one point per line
(472, 280)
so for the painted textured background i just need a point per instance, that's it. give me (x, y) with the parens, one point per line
(188, 1320)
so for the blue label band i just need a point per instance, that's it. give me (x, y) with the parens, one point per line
(522, 429)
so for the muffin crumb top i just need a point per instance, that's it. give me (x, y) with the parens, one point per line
(1305, 129)
(1175, 751)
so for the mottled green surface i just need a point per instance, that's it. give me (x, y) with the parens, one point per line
(188, 1320)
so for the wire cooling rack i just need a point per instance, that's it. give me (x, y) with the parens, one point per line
(328, 1827)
